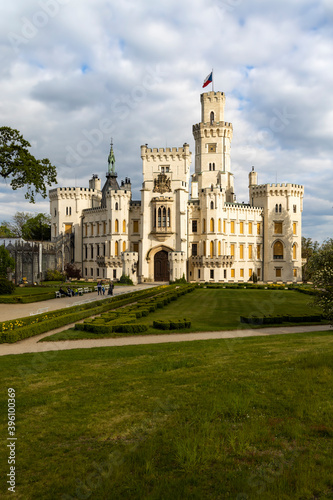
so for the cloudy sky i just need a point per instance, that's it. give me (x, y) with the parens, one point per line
(74, 73)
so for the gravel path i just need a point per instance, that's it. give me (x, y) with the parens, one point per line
(31, 344)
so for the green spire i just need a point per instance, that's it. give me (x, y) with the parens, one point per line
(111, 160)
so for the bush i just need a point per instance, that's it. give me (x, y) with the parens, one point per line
(6, 287)
(125, 280)
(72, 271)
(54, 275)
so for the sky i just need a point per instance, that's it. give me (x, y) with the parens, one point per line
(74, 73)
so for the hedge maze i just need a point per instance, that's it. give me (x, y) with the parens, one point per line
(127, 319)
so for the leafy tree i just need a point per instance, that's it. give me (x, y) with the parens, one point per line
(6, 262)
(22, 169)
(321, 268)
(72, 271)
(309, 247)
(54, 275)
(37, 228)
(5, 231)
(17, 224)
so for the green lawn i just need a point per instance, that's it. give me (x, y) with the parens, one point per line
(225, 419)
(218, 309)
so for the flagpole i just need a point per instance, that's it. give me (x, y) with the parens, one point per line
(213, 79)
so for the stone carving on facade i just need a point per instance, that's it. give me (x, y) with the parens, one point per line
(162, 184)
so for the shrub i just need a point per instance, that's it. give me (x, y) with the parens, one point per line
(54, 275)
(6, 287)
(125, 280)
(72, 271)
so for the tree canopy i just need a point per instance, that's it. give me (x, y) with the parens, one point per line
(22, 169)
(27, 226)
(6, 262)
(321, 268)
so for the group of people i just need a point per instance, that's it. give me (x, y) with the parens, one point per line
(70, 292)
(101, 288)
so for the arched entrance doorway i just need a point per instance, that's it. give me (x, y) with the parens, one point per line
(161, 266)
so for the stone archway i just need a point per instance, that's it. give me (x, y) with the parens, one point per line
(161, 266)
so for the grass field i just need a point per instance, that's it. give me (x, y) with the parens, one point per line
(212, 310)
(239, 418)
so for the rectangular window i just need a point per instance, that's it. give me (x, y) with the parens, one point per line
(232, 273)
(68, 228)
(258, 251)
(115, 274)
(250, 251)
(212, 274)
(199, 273)
(86, 229)
(97, 228)
(259, 273)
(294, 209)
(70, 210)
(194, 226)
(135, 226)
(241, 227)
(98, 271)
(277, 227)
(225, 274)
(135, 247)
(295, 273)
(232, 250)
(241, 273)
(278, 272)
(294, 227)
(92, 229)
(55, 212)
(250, 272)
(250, 228)
(66, 210)
(258, 227)
(224, 226)
(241, 251)
(232, 227)
(86, 251)
(91, 272)
(194, 249)
(85, 271)
(97, 246)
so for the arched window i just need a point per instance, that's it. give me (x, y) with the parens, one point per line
(203, 225)
(211, 117)
(116, 249)
(294, 251)
(159, 217)
(210, 166)
(204, 249)
(278, 250)
(213, 166)
(124, 246)
(219, 249)
(168, 220)
(276, 208)
(211, 226)
(280, 208)
(116, 206)
(154, 217)
(212, 248)
(219, 225)
(116, 226)
(164, 217)
(124, 226)
(211, 205)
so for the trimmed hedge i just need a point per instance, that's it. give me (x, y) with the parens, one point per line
(273, 320)
(172, 325)
(14, 330)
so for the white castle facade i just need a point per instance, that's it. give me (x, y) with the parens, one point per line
(201, 234)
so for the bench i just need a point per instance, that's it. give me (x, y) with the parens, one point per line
(57, 295)
(80, 291)
(86, 289)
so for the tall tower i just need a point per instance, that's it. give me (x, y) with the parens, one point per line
(212, 146)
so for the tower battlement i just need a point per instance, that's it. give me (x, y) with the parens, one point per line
(164, 153)
(277, 189)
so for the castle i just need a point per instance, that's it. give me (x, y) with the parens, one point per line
(197, 231)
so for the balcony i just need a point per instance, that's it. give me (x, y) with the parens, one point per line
(218, 261)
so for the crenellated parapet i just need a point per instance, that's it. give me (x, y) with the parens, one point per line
(284, 189)
(212, 130)
(165, 154)
(66, 193)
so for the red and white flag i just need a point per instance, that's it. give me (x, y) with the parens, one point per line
(208, 80)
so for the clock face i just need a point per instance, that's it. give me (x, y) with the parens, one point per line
(211, 148)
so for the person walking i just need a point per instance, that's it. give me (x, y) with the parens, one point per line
(99, 288)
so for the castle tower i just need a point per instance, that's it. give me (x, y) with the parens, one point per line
(212, 146)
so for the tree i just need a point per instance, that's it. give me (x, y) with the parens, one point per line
(5, 231)
(72, 271)
(6, 262)
(37, 228)
(21, 167)
(18, 222)
(321, 268)
(309, 247)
